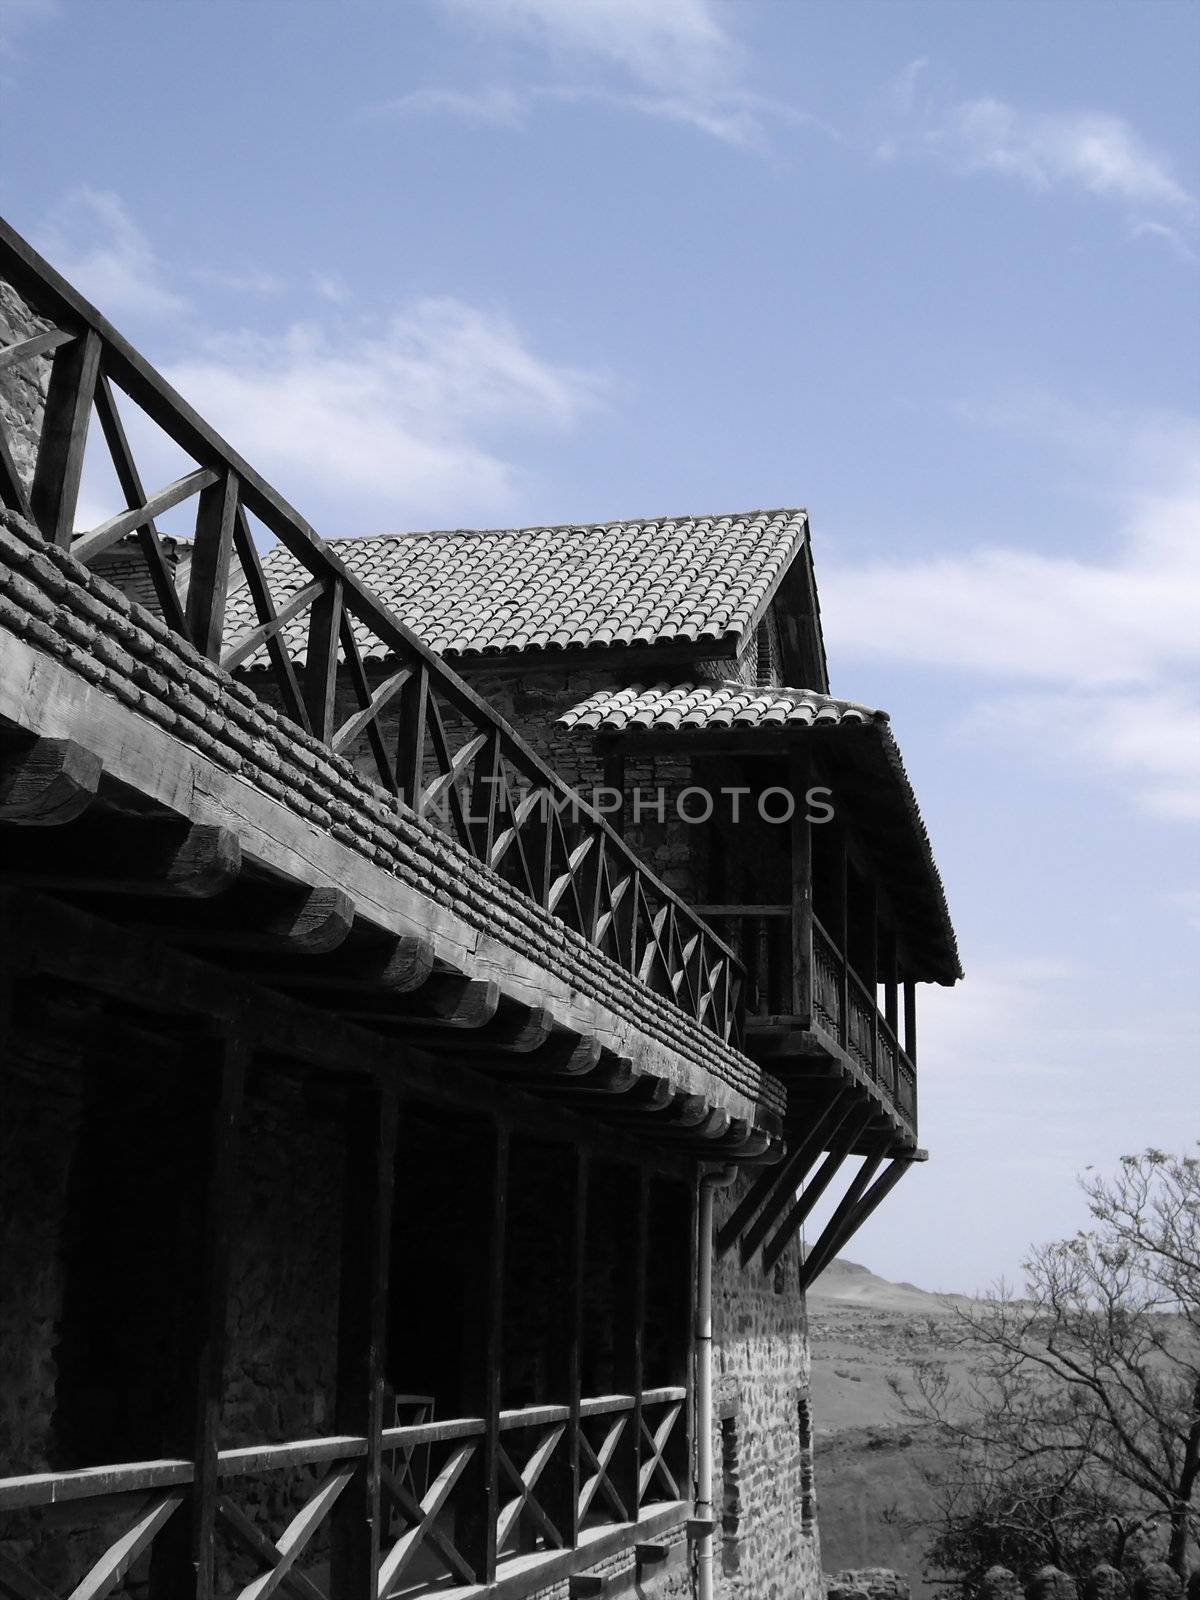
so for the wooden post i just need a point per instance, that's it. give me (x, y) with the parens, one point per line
(208, 582)
(871, 978)
(889, 982)
(371, 1114)
(184, 1557)
(628, 1340)
(910, 1020)
(56, 475)
(562, 1472)
(320, 668)
(802, 889)
(479, 1495)
(841, 919)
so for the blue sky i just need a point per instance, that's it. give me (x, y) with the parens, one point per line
(929, 269)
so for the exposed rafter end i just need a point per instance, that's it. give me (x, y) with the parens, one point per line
(46, 783)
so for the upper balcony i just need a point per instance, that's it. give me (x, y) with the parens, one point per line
(457, 893)
(818, 875)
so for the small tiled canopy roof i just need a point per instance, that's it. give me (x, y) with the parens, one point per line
(859, 754)
(678, 581)
(712, 705)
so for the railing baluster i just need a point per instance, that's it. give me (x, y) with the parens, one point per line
(208, 584)
(320, 667)
(135, 495)
(410, 737)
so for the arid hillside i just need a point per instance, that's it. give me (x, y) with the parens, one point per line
(873, 1468)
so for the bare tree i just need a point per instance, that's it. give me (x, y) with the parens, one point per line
(1079, 1420)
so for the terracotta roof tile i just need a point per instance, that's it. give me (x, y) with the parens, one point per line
(712, 705)
(493, 591)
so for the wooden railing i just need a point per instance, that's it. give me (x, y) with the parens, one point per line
(825, 990)
(454, 761)
(761, 938)
(846, 1009)
(558, 1484)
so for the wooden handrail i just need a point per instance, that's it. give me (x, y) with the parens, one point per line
(569, 859)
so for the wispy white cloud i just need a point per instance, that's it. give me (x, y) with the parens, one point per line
(392, 414)
(662, 43)
(1162, 233)
(673, 60)
(409, 414)
(1087, 151)
(734, 116)
(93, 241)
(1092, 660)
(494, 106)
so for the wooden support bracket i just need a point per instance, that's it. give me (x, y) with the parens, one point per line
(650, 1557)
(589, 1584)
(296, 921)
(47, 783)
(126, 855)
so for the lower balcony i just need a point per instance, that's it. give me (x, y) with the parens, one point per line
(578, 1486)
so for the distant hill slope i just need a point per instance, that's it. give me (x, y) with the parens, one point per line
(849, 1284)
(874, 1469)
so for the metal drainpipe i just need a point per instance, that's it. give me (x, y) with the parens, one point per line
(709, 1183)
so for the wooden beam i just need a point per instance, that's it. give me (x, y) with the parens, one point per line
(447, 1001)
(47, 783)
(321, 660)
(98, 539)
(130, 855)
(910, 1020)
(55, 493)
(840, 1148)
(208, 580)
(835, 1230)
(479, 1502)
(362, 1332)
(853, 1220)
(135, 495)
(39, 344)
(781, 1181)
(183, 1563)
(391, 964)
(296, 921)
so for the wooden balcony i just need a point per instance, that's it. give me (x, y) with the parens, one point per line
(805, 998)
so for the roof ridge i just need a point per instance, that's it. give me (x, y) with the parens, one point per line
(553, 527)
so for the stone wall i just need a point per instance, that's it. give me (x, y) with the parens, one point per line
(762, 1441)
(23, 386)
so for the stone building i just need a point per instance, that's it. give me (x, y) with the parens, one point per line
(440, 976)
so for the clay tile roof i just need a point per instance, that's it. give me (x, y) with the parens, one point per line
(678, 580)
(712, 705)
(862, 759)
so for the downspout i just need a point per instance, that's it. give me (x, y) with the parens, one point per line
(710, 1181)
